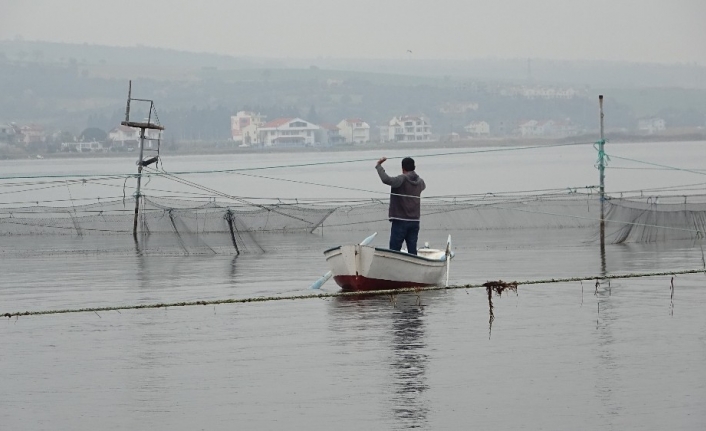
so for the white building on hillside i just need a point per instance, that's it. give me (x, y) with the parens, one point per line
(538, 92)
(243, 119)
(478, 128)
(124, 136)
(32, 133)
(409, 129)
(83, 147)
(354, 130)
(651, 125)
(286, 132)
(530, 128)
(547, 128)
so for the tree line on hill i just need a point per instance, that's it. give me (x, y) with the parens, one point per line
(70, 95)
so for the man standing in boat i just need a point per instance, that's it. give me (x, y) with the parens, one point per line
(405, 200)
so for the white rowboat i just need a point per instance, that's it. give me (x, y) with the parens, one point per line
(362, 267)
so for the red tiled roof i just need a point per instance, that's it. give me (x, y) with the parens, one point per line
(278, 122)
(354, 120)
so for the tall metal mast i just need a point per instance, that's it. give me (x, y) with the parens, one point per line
(601, 170)
(141, 162)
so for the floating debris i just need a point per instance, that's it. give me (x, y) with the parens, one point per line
(498, 287)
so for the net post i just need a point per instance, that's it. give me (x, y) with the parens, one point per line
(229, 220)
(601, 169)
(140, 161)
(139, 181)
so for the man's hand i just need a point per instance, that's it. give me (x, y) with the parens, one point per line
(382, 160)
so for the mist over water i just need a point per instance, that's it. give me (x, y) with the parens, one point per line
(558, 355)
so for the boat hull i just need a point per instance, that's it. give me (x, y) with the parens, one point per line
(359, 283)
(361, 268)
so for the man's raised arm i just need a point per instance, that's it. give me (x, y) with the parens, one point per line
(390, 181)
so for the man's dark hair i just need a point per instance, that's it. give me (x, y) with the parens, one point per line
(408, 164)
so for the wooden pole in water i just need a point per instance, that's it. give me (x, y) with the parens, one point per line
(601, 169)
(139, 181)
(601, 166)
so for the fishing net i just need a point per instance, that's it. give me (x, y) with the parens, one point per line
(655, 218)
(169, 225)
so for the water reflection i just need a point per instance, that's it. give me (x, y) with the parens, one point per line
(654, 256)
(409, 363)
(232, 269)
(607, 377)
(140, 244)
(400, 324)
(603, 258)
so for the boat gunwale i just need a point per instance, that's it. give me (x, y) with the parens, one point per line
(415, 256)
(401, 253)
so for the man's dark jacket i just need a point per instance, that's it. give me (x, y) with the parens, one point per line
(404, 195)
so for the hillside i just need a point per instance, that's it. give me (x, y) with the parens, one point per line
(72, 86)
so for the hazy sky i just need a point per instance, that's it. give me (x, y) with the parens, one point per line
(661, 31)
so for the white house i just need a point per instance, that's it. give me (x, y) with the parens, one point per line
(409, 129)
(250, 135)
(537, 92)
(125, 136)
(478, 128)
(83, 147)
(548, 128)
(354, 130)
(651, 125)
(243, 119)
(530, 128)
(287, 132)
(32, 133)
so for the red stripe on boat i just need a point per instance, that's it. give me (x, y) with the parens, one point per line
(358, 283)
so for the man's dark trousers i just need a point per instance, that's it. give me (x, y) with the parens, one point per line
(404, 231)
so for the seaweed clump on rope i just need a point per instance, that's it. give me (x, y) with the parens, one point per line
(498, 287)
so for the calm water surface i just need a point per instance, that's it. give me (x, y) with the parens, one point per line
(560, 356)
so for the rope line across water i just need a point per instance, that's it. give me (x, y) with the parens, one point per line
(338, 294)
(299, 165)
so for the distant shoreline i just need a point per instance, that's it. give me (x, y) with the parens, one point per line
(215, 148)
